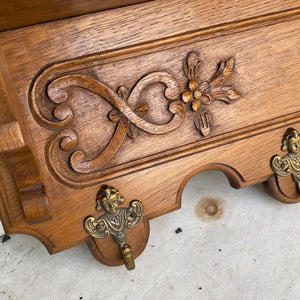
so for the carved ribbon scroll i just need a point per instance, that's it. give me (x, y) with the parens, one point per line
(57, 93)
(127, 113)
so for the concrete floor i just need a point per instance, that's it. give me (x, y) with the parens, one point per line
(250, 249)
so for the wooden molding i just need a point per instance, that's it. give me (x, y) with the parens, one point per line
(17, 14)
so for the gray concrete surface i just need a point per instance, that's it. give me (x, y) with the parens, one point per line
(248, 250)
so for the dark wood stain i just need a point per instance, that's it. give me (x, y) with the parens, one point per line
(23, 13)
(209, 209)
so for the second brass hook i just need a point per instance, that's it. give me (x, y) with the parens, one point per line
(290, 163)
(115, 221)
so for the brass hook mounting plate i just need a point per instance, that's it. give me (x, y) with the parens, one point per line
(115, 221)
(290, 163)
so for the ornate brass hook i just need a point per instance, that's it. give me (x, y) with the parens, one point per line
(115, 220)
(290, 163)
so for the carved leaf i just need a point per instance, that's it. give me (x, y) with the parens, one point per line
(132, 131)
(224, 93)
(141, 107)
(198, 71)
(114, 115)
(224, 71)
(192, 64)
(123, 92)
(203, 123)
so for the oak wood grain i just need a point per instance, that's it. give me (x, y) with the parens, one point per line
(103, 154)
(84, 35)
(16, 13)
(19, 166)
(21, 183)
(91, 56)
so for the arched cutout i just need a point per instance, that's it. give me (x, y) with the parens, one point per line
(234, 177)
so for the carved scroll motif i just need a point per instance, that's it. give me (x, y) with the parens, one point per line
(126, 106)
(127, 113)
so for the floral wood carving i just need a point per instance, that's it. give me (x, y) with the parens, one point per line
(202, 93)
(71, 165)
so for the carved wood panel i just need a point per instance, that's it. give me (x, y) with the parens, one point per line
(103, 109)
(59, 103)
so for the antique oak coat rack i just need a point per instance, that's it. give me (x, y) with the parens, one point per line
(108, 109)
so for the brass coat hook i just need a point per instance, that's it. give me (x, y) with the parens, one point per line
(115, 220)
(290, 163)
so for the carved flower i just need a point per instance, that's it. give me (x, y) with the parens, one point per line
(197, 94)
(116, 115)
(201, 93)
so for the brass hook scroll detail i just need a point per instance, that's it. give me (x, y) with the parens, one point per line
(115, 220)
(290, 163)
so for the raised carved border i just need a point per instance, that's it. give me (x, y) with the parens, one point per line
(127, 112)
(86, 173)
